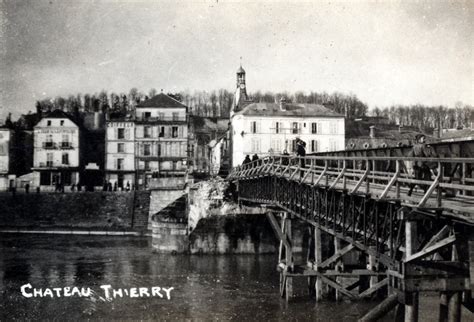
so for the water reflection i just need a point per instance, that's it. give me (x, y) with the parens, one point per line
(205, 287)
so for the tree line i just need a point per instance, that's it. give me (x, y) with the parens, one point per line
(218, 103)
(425, 117)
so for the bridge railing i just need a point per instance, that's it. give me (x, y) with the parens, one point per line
(444, 181)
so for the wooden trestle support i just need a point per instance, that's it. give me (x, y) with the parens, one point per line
(381, 247)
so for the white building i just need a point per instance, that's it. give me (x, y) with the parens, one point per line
(56, 150)
(266, 128)
(5, 138)
(120, 153)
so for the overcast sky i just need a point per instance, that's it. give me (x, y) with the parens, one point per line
(384, 52)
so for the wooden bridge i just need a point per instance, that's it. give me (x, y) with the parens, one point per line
(383, 242)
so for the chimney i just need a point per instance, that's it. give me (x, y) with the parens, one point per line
(372, 131)
(283, 104)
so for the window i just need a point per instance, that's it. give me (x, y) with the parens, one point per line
(333, 128)
(48, 123)
(2, 149)
(65, 159)
(175, 116)
(293, 146)
(253, 127)
(147, 149)
(314, 128)
(65, 142)
(45, 178)
(147, 165)
(277, 128)
(49, 159)
(121, 133)
(146, 115)
(276, 145)
(314, 145)
(162, 132)
(61, 122)
(147, 133)
(49, 141)
(119, 164)
(120, 147)
(161, 116)
(174, 131)
(159, 149)
(255, 145)
(295, 129)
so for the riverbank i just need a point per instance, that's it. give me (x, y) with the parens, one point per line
(75, 212)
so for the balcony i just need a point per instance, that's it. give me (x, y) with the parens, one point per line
(66, 145)
(166, 119)
(49, 145)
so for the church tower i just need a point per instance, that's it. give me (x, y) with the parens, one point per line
(241, 90)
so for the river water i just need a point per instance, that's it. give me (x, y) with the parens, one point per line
(243, 287)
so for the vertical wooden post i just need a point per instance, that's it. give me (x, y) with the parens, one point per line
(411, 299)
(454, 299)
(372, 266)
(289, 261)
(318, 259)
(454, 307)
(443, 307)
(338, 265)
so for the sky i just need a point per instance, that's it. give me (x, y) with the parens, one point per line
(385, 52)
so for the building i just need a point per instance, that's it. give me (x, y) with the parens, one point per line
(149, 149)
(161, 134)
(56, 150)
(368, 133)
(120, 153)
(5, 138)
(271, 128)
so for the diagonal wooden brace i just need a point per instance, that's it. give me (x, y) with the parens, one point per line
(278, 231)
(361, 180)
(374, 288)
(431, 249)
(336, 256)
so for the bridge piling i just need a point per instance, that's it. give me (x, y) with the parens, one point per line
(404, 246)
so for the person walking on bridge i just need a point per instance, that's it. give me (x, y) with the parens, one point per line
(301, 152)
(422, 169)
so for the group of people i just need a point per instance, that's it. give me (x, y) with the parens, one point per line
(247, 159)
(115, 187)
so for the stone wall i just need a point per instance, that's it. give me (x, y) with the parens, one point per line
(159, 199)
(86, 210)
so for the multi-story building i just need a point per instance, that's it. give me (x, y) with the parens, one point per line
(5, 137)
(56, 150)
(161, 134)
(120, 153)
(150, 148)
(266, 128)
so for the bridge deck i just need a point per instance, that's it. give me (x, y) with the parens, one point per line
(451, 189)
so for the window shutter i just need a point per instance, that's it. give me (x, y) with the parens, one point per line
(127, 134)
(258, 127)
(180, 131)
(115, 164)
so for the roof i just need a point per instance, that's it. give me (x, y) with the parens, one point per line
(464, 134)
(240, 70)
(59, 114)
(161, 100)
(297, 110)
